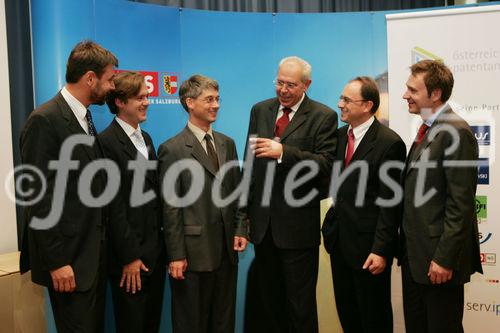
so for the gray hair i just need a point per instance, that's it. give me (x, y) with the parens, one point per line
(194, 86)
(306, 67)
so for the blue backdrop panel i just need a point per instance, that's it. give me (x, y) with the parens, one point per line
(240, 50)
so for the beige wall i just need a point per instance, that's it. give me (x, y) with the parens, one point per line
(327, 310)
(8, 234)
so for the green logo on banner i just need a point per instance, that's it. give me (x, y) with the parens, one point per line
(481, 208)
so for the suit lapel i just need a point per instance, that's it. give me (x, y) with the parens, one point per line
(220, 147)
(368, 142)
(298, 119)
(73, 124)
(342, 145)
(417, 150)
(197, 151)
(270, 120)
(129, 149)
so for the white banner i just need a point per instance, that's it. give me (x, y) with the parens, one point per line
(466, 39)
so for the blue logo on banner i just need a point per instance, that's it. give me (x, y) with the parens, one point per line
(482, 134)
(483, 172)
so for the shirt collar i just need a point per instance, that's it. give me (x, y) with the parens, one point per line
(198, 132)
(296, 106)
(429, 121)
(75, 105)
(359, 130)
(129, 130)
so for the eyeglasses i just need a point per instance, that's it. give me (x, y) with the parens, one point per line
(288, 85)
(347, 100)
(211, 99)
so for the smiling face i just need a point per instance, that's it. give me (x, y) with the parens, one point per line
(134, 110)
(354, 109)
(418, 97)
(203, 109)
(289, 84)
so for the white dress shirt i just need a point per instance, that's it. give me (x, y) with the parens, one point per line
(79, 110)
(360, 131)
(135, 135)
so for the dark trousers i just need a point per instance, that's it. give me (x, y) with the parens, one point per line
(284, 281)
(431, 308)
(205, 301)
(363, 300)
(82, 311)
(139, 312)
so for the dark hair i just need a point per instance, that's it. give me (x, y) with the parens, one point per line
(194, 86)
(127, 85)
(369, 91)
(88, 56)
(436, 76)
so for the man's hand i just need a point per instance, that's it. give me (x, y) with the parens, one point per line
(266, 148)
(63, 279)
(240, 243)
(177, 268)
(375, 263)
(438, 274)
(131, 276)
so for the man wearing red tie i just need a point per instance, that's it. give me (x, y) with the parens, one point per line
(362, 237)
(290, 129)
(440, 246)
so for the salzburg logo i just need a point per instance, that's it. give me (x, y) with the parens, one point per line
(170, 83)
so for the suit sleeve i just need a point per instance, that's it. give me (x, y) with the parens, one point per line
(459, 210)
(125, 242)
(386, 232)
(39, 145)
(325, 142)
(173, 221)
(240, 219)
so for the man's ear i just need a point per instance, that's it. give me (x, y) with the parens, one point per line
(436, 95)
(119, 103)
(90, 78)
(369, 105)
(190, 103)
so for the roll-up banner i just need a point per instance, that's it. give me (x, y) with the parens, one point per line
(466, 39)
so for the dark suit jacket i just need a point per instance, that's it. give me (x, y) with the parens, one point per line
(444, 228)
(134, 232)
(194, 232)
(310, 136)
(360, 230)
(76, 239)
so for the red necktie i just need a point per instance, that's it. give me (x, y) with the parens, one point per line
(282, 123)
(421, 133)
(350, 147)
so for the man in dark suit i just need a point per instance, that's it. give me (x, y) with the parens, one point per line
(362, 237)
(290, 129)
(68, 257)
(440, 248)
(136, 251)
(202, 234)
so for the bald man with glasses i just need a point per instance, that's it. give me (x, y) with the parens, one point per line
(290, 129)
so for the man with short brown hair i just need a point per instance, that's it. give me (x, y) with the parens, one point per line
(440, 244)
(69, 257)
(136, 249)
